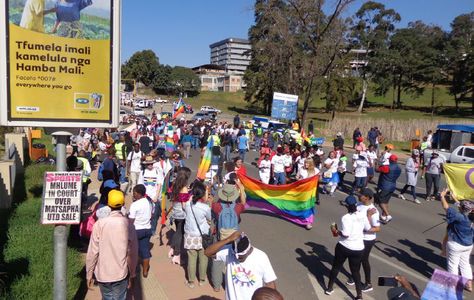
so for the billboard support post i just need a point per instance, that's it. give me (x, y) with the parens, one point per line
(60, 231)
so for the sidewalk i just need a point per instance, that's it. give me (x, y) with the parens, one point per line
(165, 280)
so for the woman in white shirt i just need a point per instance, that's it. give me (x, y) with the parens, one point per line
(350, 245)
(198, 218)
(308, 169)
(140, 215)
(331, 176)
(264, 169)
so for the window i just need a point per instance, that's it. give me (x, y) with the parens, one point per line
(469, 152)
(460, 151)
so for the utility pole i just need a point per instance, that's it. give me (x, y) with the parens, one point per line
(60, 231)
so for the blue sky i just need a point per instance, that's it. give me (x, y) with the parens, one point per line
(180, 31)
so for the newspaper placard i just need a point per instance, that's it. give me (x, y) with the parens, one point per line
(61, 198)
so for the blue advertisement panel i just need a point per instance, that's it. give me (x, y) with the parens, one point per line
(285, 106)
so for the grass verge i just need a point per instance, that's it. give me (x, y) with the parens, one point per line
(27, 255)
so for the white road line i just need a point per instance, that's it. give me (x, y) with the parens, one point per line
(338, 293)
(401, 269)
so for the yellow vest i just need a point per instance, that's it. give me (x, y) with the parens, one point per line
(118, 150)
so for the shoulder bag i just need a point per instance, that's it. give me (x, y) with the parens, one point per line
(207, 239)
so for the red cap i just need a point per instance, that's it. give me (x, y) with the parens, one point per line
(393, 158)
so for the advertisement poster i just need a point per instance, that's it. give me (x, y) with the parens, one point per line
(61, 198)
(60, 62)
(285, 106)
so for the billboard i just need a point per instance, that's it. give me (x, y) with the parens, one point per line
(285, 106)
(59, 63)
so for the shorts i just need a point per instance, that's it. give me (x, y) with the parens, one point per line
(143, 236)
(370, 171)
(384, 196)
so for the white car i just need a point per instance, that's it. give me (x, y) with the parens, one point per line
(461, 155)
(210, 109)
(139, 111)
(161, 101)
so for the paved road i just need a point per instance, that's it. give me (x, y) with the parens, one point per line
(408, 245)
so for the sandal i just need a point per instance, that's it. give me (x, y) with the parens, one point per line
(189, 284)
(202, 282)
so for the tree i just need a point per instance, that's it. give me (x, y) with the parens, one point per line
(371, 30)
(184, 80)
(162, 81)
(295, 45)
(142, 66)
(338, 91)
(460, 55)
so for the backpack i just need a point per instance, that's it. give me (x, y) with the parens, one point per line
(100, 177)
(228, 218)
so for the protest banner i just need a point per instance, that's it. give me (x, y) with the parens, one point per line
(59, 63)
(444, 286)
(460, 179)
(61, 198)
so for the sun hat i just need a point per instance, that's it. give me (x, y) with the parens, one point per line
(148, 160)
(228, 193)
(115, 199)
(350, 200)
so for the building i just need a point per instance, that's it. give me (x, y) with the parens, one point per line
(232, 53)
(209, 76)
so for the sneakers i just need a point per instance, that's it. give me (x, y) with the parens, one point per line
(385, 219)
(329, 291)
(367, 288)
(389, 218)
(402, 197)
(350, 282)
(417, 201)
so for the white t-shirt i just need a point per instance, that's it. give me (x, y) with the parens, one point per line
(374, 220)
(372, 157)
(360, 168)
(352, 229)
(152, 180)
(278, 162)
(334, 165)
(135, 159)
(288, 160)
(265, 166)
(384, 160)
(243, 279)
(141, 210)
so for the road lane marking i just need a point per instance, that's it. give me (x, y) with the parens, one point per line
(401, 269)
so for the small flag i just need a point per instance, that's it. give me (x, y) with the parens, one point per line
(179, 108)
(169, 144)
(206, 160)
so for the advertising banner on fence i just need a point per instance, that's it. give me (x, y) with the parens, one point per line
(59, 62)
(285, 106)
(61, 198)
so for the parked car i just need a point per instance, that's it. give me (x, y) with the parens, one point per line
(461, 155)
(202, 116)
(210, 109)
(144, 103)
(139, 111)
(159, 100)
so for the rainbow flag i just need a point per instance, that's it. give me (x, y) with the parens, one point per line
(294, 201)
(169, 144)
(179, 109)
(205, 161)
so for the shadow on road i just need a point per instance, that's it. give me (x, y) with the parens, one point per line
(315, 260)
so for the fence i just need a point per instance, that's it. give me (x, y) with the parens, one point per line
(11, 165)
(392, 130)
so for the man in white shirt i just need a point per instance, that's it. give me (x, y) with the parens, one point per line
(247, 268)
(134, 166)
(360, 171)
(278, 164)
(152, 179)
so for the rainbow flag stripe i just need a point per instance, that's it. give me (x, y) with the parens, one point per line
(294, 201)
(179, 109)
(205, 161)
(169, 144)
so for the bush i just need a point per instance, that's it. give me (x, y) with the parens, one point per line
(28, 253)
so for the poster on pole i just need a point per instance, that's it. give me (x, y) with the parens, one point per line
(59, 63)
(285, 106)
(61, 198)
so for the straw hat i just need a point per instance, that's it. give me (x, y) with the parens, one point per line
(148, 160)
(228, 193)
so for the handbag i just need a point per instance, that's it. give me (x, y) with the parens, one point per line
(207, 239)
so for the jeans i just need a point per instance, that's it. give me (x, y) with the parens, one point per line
(155, 216)
(280, 178)
(257, 143)
(217, 273)
(458, 258)
(355, 257)
(432, 180)
(405, 188)
(227, 151)
(114, 290)
(195, 143)
(193, 256)
(359, 182)
(242, 154)
(122, 172)
(177, 239)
